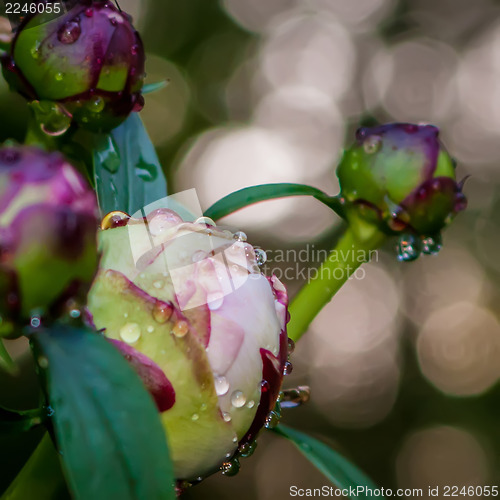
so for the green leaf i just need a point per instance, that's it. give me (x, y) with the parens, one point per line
(19, 420)
(254, 194)
(329, 462)
(128, 174)
(106, 424)
(154, 87)
(6, 362)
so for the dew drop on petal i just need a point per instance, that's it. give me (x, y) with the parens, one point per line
(195, 417)
(96, 104)
(260, 256)
(291, 398)
(246, 450)
(287, 368)
(230, 468)
(207, 221)
(150, 329)
(372, 144)
(409, 247)
(251, 404)
(43, 362)
(291, 346)
(162, 312)
(130, 333)
(240, 236)
(431, 244)
(180, 328)
(158, 284)
(69, 33)
(238, 399)
(272, 420)
(221, 385)
(35, 321)
(226, 416)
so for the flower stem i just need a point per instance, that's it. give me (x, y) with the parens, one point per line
(40, 478)
(353, 249)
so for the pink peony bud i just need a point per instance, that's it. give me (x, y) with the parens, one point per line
(188, 300)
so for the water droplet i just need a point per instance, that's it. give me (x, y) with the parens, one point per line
(235, 439)
(75, 313)
(49, 411)
(96, 104)
(203, 406)
(130, 333)
(150, 329)
(146, 171)
(226, 416)
(288, 368)
(291, 398)
(272, 420)
(207, 221)
(180, 328)
(260, 256)
(409, 247)
(240, 236)
(43, 362)
(162, 312)
(134, 49)
(69, 32)
(107, 154)
(89, 12)
(230, 468)
(35, 51)
(59, 77)
(114, 219)
(221, 385)
(432, 244)
(195, 417)
(372, 144)
(246, 450)
(291, 346)
(53, 118)
(238, 399)
(35, 321)
(215, 300)
(251, 404)
(158, 284)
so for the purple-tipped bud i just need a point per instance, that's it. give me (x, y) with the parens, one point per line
(47, 232)
(90, 60)
(400, 176)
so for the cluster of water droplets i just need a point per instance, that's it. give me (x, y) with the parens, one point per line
(411, 246)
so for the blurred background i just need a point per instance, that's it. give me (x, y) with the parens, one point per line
(404, 363)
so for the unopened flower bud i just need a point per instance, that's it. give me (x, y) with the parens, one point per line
(400, 177)
(191, 298)
(48, 225)
(89, 60)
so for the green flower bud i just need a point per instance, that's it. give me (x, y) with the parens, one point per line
(400, 177)
(89, 60)
(48, 225)
(191, 300)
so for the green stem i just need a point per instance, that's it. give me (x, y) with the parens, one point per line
(40, 478)
(352, 250)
